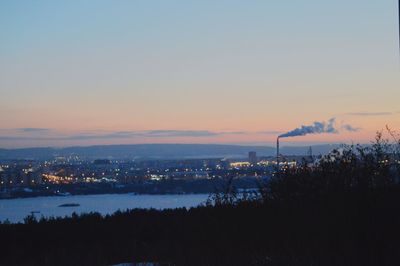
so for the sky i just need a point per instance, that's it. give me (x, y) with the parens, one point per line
(210, 71)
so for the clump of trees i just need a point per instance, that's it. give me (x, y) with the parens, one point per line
(356, 169)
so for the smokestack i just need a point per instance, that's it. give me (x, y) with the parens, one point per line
(277, 154)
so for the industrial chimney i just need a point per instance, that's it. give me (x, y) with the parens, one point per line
(277, 154)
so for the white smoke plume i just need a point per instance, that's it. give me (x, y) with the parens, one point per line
(317, 128)
(350, 128)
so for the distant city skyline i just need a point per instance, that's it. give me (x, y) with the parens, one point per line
(233, 72)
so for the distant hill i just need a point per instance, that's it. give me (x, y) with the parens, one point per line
(158, 151)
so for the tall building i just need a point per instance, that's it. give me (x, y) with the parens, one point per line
(2, 178)
(253, 157)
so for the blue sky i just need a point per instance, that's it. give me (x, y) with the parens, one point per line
(78, 67)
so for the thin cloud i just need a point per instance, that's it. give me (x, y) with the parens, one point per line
(188, 133)
(14, 138)
(180, 133)
(350, 128)
(270, 132)
(233, 133)
(150, 133)
(369, 113)
(31, 134)
(32, 129)
(113, 135)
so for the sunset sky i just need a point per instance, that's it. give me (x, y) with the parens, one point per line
(209, 71)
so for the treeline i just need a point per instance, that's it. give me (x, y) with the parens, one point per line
(351, 168)
(342, 210)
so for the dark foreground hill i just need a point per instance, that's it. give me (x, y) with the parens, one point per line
(347, 229)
